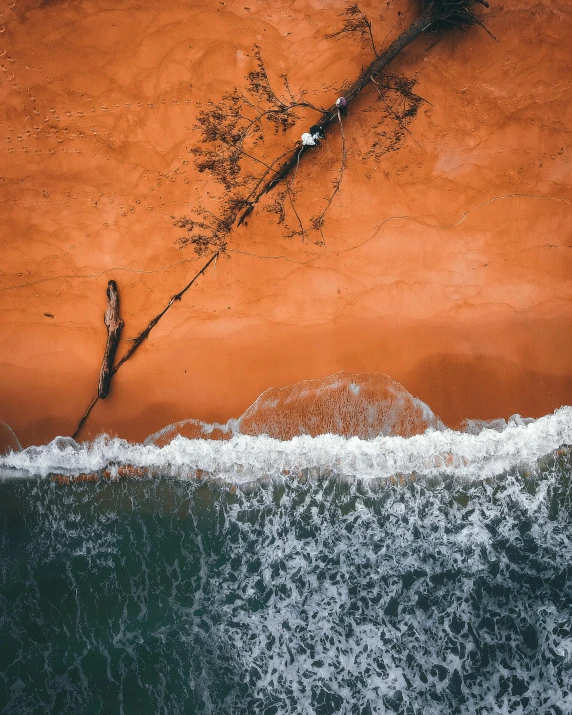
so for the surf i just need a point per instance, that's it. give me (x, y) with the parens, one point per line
(357, 426)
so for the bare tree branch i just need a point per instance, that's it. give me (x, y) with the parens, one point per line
(318, 221)
(437, 15)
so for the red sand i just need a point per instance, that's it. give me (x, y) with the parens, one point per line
(446, 265)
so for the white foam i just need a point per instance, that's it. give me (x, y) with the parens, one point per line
(244, 458)
(461, 603)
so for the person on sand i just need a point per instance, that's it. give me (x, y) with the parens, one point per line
(317, 132)
(312, 137)
(342, 105)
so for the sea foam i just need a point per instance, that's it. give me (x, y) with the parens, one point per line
(245, 458)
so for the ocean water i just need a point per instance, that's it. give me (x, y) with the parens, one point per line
(318, 575)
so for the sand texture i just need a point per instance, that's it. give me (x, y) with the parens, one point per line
(444, 264)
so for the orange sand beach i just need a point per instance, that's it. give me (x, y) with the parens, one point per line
(444, 264)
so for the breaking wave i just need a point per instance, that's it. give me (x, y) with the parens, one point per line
(307, 597)
(244, 458)
(364, 426)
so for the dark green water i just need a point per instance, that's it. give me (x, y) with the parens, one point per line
(160, 596)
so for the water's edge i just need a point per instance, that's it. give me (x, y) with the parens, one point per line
(245, 458)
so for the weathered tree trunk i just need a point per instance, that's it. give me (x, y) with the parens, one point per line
(377, 66)
(114, 326)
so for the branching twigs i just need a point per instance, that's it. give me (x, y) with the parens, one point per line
(357, 24)
(318, 221)
(232, 133)
(143, 335)
(437, 15)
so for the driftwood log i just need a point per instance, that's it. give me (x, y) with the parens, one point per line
(114, 326)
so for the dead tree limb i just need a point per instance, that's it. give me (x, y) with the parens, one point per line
(437, 15)
(92, 404)
(114, 326)
(143, 335)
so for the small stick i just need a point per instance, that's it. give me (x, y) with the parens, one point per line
(114, 326)
(144, 333)
(86, 415)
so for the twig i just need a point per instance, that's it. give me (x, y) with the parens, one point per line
(318, 221)
(86, 415)
(291, 198)
(370, 31)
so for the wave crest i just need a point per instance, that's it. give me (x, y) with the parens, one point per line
(244, 458)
